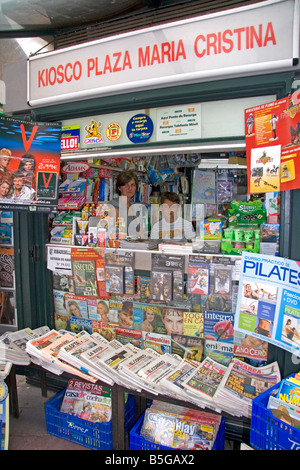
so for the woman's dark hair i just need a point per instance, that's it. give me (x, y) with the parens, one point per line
(124, 178)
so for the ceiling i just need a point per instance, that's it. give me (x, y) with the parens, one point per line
(61, 23)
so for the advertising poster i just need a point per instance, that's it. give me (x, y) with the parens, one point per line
(267, 127)
(29, 165)
(268, 303)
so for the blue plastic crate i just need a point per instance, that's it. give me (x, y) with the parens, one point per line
(268, 432)
(96, 436)
(138, 442)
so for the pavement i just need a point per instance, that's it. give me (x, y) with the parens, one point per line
(28, 431)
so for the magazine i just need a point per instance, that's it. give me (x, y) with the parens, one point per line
(87, 401)
(288, 413)
(180, 427)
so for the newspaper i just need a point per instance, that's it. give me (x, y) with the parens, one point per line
(112, 359)
(5, 367)
(203, 383)
(129, 368)
(71, 352)
(35, 346)
(92, 357)
(13, 344)
(159, 368)
(173, 381)
(243, 382)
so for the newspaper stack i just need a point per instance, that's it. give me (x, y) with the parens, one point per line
(174, 380)
(201, 386)
(92, 358)
(44, 351)
(72, 351)
(5, 368)
(111, 360)
(13, 345)
(243, 382)
(154, 372)
(130, 368)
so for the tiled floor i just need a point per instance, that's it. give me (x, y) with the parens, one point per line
(28, 432)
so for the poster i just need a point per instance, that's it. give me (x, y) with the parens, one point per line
(268, 303)
(29, 165)
(271, 125)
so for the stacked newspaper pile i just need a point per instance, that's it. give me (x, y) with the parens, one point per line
(13, 345)
(5, 368)
(147, 370)
(45, 349)
(173, 381)
(107, 358)
(241, 383)
(202, 384)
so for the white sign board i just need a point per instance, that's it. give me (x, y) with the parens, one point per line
(253, 39)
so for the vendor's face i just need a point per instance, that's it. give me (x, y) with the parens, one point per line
(128, 189)
(170, 210)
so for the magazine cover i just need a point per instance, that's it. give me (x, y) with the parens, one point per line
(250, 347)
(198, 277)
(98, 309)
(193, 324)
(33, 164)
(88, 272)
(87, 401)
(167, 278)
(218, 326)
(172, 319)
(107, 330)
(147, 317)
(159, 343)
(76, 305)
(114, 279)
(80, 324)
(187, 347)
(128, 335)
